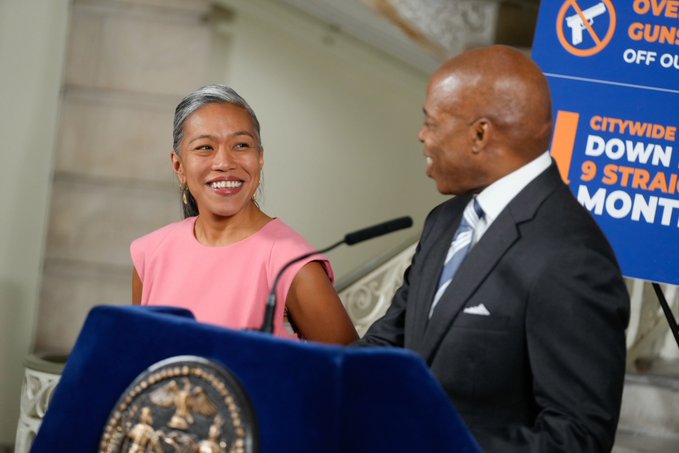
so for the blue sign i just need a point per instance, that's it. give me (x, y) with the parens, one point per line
(614, 75)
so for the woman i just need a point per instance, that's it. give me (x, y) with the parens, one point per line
(222, 259)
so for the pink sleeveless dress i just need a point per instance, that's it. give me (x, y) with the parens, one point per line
(227, 286)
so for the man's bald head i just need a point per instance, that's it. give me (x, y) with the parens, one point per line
(504, 98)
(506, 86)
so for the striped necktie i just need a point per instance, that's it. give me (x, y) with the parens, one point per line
(459, 247)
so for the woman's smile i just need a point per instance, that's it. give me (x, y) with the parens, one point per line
(220, 159)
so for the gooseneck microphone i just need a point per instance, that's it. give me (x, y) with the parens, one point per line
(350, 239)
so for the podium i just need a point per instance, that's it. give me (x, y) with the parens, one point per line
(306, 397)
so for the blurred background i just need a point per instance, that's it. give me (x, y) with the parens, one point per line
(89, 89)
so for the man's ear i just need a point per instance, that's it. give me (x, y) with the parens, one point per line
(480, 131)
(178, 167)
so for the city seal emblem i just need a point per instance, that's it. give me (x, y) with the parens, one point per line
(182, 404)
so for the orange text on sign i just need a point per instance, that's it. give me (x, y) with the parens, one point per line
(667, 8)
(634, 128)
(635, 178)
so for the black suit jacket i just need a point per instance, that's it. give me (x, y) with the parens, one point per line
(544, 370)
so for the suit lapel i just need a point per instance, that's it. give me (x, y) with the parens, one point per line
(476, 267)
(433, 258)
(431, 272)
(483, 257)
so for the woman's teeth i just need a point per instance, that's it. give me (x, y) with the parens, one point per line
(226, 184)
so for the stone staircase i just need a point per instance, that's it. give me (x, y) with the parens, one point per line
(649, 419)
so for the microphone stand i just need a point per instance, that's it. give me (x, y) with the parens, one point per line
(267, 325)
(349, 239)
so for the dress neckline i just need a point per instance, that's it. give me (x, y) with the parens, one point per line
(191, 228)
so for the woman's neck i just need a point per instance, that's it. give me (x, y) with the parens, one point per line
(216, 231)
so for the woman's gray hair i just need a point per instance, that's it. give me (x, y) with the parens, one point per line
(209, 94)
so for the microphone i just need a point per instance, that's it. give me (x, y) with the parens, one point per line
(350, 239)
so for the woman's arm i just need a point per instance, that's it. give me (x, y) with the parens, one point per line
(316, 309)
(136, 288)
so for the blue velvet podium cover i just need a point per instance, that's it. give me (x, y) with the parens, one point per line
(307, 397)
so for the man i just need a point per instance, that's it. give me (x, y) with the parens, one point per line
(527, 335)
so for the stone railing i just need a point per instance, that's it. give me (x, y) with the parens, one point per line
(649, 340)
(367, 293)
(41, 375)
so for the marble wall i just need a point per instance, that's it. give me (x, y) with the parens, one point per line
(32, 47)
(128, 63)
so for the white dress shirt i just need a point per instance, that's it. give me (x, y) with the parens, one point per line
(494, 198)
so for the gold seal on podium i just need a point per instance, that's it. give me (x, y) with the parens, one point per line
(182, 404)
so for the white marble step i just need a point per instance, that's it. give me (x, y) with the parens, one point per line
(649, 418)
(626, 442)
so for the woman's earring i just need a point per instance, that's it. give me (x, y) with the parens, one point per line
(184, 188)
(258, 193)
